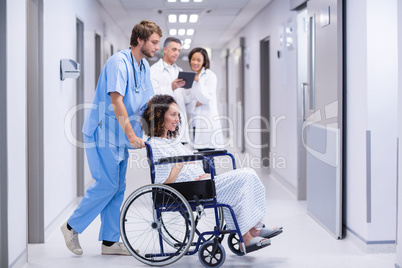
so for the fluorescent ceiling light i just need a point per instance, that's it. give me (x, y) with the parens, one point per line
(186, 46)
(197, 1)
(190, 31)
(182, 32)
(172, 18)
(185, 1)
(187, 41)
(193, 18)
(183, 18)
(172, 32)
(171, 1)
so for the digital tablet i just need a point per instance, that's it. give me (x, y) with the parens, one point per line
(188, 77)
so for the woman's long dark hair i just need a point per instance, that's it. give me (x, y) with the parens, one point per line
(153, 118)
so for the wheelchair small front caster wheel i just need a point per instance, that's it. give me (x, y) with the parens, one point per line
(211, 254)
(234, 244)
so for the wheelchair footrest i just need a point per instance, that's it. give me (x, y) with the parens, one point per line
(255, 247)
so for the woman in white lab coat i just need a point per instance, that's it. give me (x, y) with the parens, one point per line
(202, 104)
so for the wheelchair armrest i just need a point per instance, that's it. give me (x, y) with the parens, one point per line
(180, 158)
(212, 152)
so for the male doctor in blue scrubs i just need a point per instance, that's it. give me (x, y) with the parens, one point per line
(112, 127)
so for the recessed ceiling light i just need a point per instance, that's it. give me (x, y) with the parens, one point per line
(187, 41)
(185, 1)
(182, 32)
(190, 31)
(197, 1)
(171, 1)
(172, 18)
(183, 18)
(172, 32)
(193, 18)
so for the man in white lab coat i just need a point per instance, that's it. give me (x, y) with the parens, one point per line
(164, 80)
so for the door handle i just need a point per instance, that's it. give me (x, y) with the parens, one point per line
(306, 99)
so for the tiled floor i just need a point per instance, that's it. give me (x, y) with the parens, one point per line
(302, 244)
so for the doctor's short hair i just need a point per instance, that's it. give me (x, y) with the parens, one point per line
(144, 30)
(153, 118)
(204, 54)
(171, 39)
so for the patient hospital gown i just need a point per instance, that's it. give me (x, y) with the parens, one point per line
(240, 188)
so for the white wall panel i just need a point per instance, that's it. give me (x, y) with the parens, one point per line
(398, 262)
(382, 96)
(356, 127)
(16, 119)
(372, 90)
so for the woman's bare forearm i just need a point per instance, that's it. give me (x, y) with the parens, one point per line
(174, 173)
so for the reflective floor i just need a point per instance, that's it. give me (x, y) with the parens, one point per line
(304, 243)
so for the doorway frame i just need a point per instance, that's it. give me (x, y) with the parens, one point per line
(36, 224)
(3, 138)
(303, 104)
(98, 56)
(80, 113)
(265, 89)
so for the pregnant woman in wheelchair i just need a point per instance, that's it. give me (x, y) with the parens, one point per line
(240, 188)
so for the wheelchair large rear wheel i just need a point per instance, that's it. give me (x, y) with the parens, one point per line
(157, 225)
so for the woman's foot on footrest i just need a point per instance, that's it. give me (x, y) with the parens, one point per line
(270, 232)
(257, 243)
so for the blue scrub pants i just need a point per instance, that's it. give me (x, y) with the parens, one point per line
(108, 166)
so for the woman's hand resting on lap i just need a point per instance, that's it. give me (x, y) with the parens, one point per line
(203, 176)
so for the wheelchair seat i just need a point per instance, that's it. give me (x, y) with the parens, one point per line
(203, 189)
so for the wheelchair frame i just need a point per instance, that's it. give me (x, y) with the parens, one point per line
(177, 202)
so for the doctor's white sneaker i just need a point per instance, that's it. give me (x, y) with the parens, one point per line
(117, 248)
(71, 238)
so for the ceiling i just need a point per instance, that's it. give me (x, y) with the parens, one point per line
(218, 22)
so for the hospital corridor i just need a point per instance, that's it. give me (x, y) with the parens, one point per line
(306, 93)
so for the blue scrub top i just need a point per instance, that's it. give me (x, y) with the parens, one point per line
(124, 75)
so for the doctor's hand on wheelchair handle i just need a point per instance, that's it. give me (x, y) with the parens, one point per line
(137, 143)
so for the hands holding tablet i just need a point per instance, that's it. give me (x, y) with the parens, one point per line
(188, 77)
(184, 80)
(178, 83)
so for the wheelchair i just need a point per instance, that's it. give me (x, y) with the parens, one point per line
(160, 223)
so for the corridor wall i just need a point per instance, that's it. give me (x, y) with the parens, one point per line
(398, 262)
(371, 82)
(59, 42)
(372, 90)
(270, 22)
(16, 128)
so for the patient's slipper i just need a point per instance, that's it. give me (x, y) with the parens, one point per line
(257, 243)
(270, 232)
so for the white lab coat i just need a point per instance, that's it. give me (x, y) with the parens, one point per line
(162, 76)
(208, 129)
